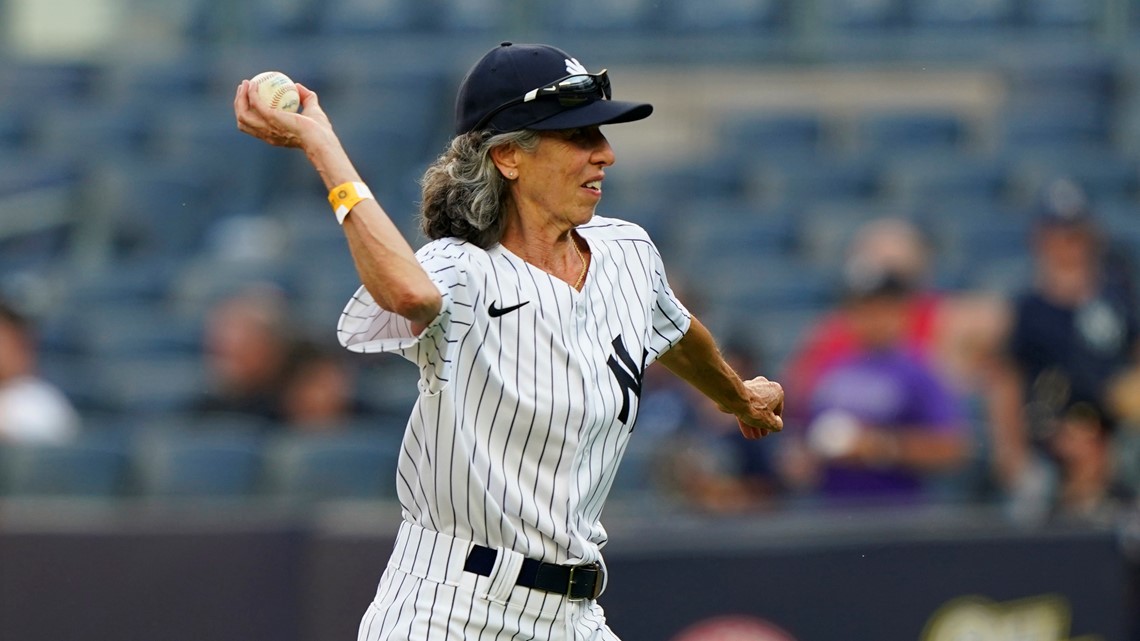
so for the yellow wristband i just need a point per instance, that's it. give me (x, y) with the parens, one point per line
(345, 196)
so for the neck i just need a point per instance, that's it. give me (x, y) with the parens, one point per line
(549, 247)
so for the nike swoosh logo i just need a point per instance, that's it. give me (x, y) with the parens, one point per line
(495, 311)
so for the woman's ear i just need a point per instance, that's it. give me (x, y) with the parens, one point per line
(506, 158)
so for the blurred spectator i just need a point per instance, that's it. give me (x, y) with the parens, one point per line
(1074, 331)
(957, 331)
(1087, 485)
(32, 410)
(246, 344)
(881, 420)
(707, 465)
(317, 390)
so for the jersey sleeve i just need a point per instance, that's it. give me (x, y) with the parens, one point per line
(670, 318)
(365, 327)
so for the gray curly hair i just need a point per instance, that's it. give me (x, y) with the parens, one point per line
(464, 195)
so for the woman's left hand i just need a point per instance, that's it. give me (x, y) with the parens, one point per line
(765, 408)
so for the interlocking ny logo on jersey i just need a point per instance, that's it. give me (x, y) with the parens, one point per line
(629, 376)
(495, 311)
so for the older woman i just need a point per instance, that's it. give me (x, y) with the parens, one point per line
(532, 321)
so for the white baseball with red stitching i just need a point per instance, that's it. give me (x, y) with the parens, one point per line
(276, 89)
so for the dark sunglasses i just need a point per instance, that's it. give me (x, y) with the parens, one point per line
(571, 91)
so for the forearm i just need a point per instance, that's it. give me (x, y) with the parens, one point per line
(384, 260)
(915, 448)
(697, 360)
(932, 452)
(1005, 401)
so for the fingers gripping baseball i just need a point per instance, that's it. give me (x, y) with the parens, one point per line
(275, 126)
(766, 409)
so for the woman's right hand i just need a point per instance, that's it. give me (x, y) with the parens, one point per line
(282, 128)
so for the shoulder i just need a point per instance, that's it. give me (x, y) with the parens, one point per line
(613, 230)
(452, 252)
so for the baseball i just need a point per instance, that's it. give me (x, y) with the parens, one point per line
(277, 90)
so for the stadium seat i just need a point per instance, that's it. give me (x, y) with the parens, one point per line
(1082, 14)
(1103, 175)
(15, 129)
(634, 483)
(273, 19)
(630, 17)
(956, 177)
(94, 134)
(334, 466)
(970, 14)
(160, 211)
(123, 282)
(1046, 121)
(725, 16)
(758, 135)
(30, 82)
(149, 384)
(362, 17)
(96, 466)
(862, 15)
(796, 180)
(210, 463)
(709, 228)
(903, 131)
(472, 16)
(116, 330)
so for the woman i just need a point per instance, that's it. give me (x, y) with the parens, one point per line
(532, 321)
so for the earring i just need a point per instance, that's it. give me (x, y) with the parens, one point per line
(511, 175)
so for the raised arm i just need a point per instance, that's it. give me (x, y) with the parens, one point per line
(758, 404)
(384, 259)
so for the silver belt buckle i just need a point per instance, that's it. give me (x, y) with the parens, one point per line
(597, 571)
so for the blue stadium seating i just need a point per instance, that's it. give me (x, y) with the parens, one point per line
(137, 329)
(630, 17)
(472, 16)
(150, 145)
(971, 14)
(334, 466)
(725, 16)
(201, 464)
(96, 466)
(862, 15)
(906, 131)
(362, 17)
(757, 135)
(1083, 14)
(1070, 122)
(15, 129)
(150, 384)
(938, 179)
(704, 228)
(831, 177)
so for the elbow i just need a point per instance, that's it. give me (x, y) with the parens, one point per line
(420, 305)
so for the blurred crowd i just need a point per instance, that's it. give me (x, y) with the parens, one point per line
(901, 394)
(907, 394)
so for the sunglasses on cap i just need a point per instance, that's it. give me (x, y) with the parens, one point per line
(571, 91)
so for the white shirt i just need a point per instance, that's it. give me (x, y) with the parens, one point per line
(33, 411)
(528, 388)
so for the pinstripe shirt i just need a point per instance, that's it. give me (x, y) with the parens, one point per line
(528, 388)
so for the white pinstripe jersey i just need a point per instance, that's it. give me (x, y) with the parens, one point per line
(528, 388)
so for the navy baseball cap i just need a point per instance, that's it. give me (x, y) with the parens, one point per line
(1064, 204)
(535, 86)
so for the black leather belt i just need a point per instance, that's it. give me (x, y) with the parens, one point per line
(575, 582)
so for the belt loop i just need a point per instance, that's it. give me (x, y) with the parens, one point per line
(504, 575)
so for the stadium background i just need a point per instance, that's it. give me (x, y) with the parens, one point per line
(129, 203)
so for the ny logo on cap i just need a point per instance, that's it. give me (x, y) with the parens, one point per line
(573, 67)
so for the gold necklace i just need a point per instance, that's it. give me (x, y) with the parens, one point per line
(582, 276)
